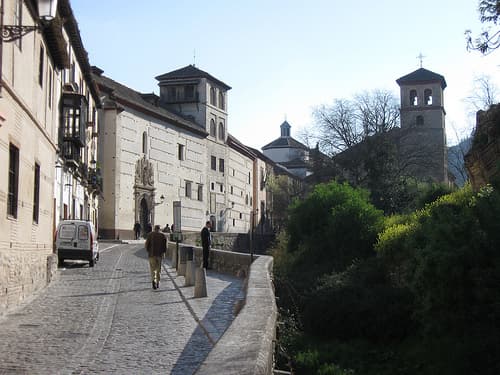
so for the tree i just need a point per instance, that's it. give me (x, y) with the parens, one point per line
(489, 39)
(337, 128)
(346, 122)
(484, 93)
(377, 111)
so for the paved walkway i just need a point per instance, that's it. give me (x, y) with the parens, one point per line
(108, 320)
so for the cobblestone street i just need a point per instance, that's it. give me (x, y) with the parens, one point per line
(108, 319)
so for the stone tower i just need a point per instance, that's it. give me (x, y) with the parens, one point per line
(423, 141)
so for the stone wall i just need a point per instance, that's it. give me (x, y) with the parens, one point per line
(247, 346)
(24, 269)
(239, 242)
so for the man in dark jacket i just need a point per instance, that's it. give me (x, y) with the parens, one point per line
(156, 246)
(206, 240)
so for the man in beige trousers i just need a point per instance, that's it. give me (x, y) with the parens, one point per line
(156, 246)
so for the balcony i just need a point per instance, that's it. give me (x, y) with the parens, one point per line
(74, 118)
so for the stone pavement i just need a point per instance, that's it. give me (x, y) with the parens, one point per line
(108, 320)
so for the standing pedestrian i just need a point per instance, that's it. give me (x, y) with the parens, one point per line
(137, 230)
(166, 229)
(206, 241)
(156, 246)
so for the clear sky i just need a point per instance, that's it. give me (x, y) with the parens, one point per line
(284, 57)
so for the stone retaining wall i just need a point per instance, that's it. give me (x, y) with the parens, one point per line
(24, 269)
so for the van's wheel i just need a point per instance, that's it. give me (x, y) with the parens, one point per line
(91, 263)
(60, 262)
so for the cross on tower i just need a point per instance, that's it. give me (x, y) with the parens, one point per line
(421, 58)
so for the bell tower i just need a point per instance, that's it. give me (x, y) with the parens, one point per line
(423, 123)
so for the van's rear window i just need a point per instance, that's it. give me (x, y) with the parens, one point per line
(83, 232)
(67, 231)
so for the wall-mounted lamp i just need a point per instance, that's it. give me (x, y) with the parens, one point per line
(162, 199)
(46, 13)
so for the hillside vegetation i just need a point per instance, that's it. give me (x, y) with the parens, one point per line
(364, 293)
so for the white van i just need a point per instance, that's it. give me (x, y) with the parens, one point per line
(76, 240)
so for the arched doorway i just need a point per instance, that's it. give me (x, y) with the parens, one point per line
(144, 215)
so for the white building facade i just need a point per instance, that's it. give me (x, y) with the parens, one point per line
(38, 126)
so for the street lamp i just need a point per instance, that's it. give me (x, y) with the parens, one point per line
(46, 12)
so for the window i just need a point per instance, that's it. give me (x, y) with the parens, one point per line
(231, 190)
(420, 120)
(189, 92)
(81, 212)
(221, 131)
(180, 152)
(213, 96)
(212, 127)
(221, 165)
(234, 222)
(200, 192)
(221, 100)
(187, 192)
(144, 142)
(40, 67)
(241, 215)
(213, 163)
(413, 98)
(212, 186)
(249, 178)
(36, 194)
(428, 97)
(171, 94)
(246, 199)
(50, 88)
(221, 188)
(13, 181)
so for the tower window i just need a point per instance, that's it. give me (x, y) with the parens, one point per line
(212, 128)
(221, 131)
(221, 100)
(213, 96)
(420, 120)
(428, 97)
(413, 98)
(213, 163)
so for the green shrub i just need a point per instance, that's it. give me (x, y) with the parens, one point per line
(359, 303)
(332, 226)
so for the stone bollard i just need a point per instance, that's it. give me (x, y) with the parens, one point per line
(174, 258)
(181, 270)
(200, 284)
(190, 271)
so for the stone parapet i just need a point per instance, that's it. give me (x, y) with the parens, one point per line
(248, 344)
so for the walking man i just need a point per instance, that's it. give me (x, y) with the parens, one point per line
(156, 246)
(137, 230)
(206, 240)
